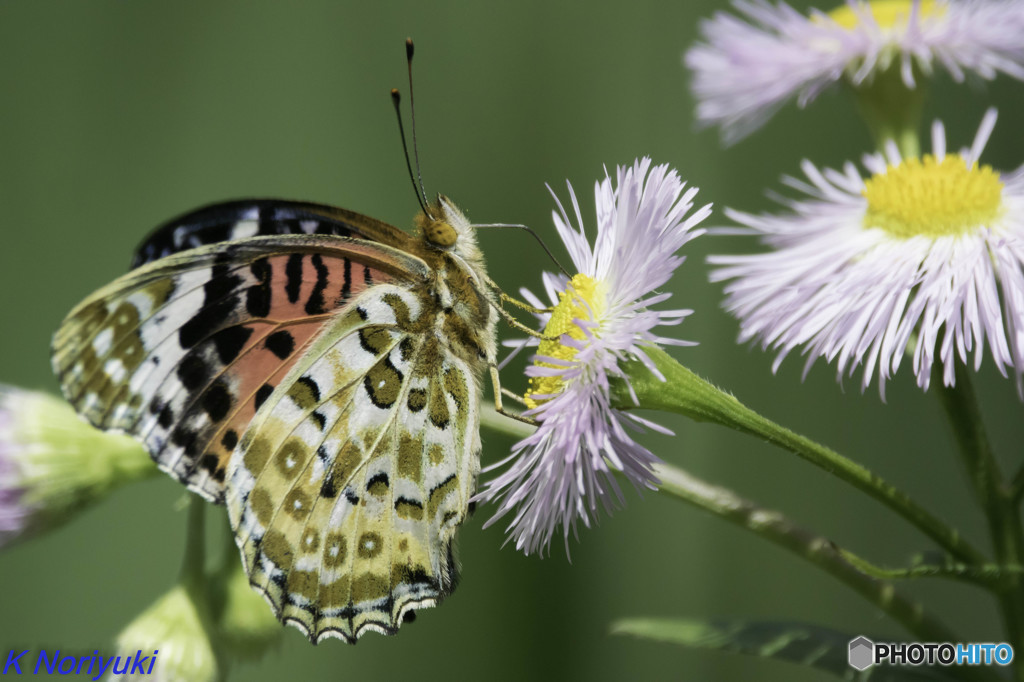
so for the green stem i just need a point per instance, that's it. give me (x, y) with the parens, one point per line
(984, 575)
(776, 528)
(193, 563)
(1017, 487)
(819, 551)
(988, 576)
(219, 577)
(996, 500)
(683, 392)
(891, 110)
(491, 419)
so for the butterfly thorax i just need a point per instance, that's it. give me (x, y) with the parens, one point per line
(465, 317)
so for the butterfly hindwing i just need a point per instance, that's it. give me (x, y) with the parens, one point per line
(348, 488)
(182, 352)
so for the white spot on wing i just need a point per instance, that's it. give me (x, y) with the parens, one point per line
(115, 370)
(101, 344)
(245, 229)
(142, 302)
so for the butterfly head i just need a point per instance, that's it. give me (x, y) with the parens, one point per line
(444, 227)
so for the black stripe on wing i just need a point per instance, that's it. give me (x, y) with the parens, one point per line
(231, 220)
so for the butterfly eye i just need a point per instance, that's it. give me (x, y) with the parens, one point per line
(441, 233)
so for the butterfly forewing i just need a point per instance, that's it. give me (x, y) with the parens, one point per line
(182, 352)
(241, 219)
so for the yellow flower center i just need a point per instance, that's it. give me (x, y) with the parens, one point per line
(932, 198)
(585, 298)
(887, 13)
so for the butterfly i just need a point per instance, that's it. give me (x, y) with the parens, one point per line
(317, 371)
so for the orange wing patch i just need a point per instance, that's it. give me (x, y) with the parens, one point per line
(182, 352)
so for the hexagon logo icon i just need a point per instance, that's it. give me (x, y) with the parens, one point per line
(862, 653)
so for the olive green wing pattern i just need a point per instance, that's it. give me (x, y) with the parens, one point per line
(347, 489)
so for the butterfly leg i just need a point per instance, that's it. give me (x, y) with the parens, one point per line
(498, 390)
(523, 304)
(514, 396)
(516, 324)
(509, 317)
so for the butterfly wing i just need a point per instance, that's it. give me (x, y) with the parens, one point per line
(348, 488)
(245, 218)
(314, 383)
(181, 352)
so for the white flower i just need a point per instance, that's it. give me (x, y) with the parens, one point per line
(925, 256)
(602, 316)
(745, 70)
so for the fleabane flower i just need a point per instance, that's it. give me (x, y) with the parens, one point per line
(746, 68)
(52, 462)
(925, 257)
(602, 316)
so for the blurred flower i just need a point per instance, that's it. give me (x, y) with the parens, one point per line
(746, 69)
(926, 254)
(177, 629)
(52, 462)
(602, 316)
(246, 625)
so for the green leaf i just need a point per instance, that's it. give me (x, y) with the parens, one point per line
(808, 645)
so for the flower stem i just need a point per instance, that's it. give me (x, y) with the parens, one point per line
(683, 392)
(996, 499)
(193, 563)
(776, 528)
(1017, 487)
(491, 419)
(823, 553)
(988, 575)
(892, 110)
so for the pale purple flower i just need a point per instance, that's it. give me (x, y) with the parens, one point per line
(746, 68)
(52, 462)
(563, 471)
(14, 513)
(925, 258)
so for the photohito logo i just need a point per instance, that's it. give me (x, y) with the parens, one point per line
(863, 653)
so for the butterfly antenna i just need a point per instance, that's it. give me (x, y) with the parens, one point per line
(412, 112)
(396, 97)
(535, 236)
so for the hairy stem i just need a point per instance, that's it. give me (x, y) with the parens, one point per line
(819, 551)
(683, 392)
(996, 499)
(776, 528)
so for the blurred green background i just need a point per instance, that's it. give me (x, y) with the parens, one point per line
(116, 116)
